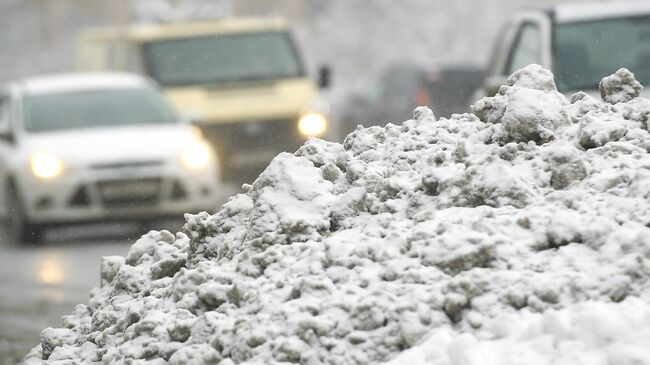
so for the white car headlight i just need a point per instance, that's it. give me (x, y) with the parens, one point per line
(312, 125)
(197, 156)
(45, 166)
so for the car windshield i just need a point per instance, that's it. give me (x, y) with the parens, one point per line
(223, 58)
(587, 51)
(95, 108)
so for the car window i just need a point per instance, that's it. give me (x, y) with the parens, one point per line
(586, 51)
(95, 108)
(527, 48)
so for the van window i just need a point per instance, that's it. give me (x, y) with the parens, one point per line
(527, 48)
(222, 58)
(586, 51)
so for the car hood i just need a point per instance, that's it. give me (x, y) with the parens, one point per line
(110, 145)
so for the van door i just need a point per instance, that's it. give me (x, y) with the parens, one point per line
(527, 48)
(524, 40)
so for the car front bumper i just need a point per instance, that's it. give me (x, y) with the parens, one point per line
(120, 192)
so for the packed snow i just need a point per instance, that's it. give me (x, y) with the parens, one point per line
(517, 234)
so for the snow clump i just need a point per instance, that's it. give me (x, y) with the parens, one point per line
(519, 234)
(620, 87)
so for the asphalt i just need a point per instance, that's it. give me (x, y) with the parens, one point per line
(40, 283)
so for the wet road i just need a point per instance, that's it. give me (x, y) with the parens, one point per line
(42, 282)
(39, 284)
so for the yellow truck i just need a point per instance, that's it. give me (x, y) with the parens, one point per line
(241, 80)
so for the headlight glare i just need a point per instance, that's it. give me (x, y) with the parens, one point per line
(197, 156)
(312, 125)
(45, 166)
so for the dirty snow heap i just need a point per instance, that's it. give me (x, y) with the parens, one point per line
(519, 234)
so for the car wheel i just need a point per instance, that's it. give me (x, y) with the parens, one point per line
(17, 229)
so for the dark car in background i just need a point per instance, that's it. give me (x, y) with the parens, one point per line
(399, 89)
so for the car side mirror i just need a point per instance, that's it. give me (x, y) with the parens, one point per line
(324, 77)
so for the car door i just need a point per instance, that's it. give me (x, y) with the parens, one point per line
(525, 40)
(527, 48)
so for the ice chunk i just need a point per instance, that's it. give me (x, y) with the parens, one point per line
(620, 87)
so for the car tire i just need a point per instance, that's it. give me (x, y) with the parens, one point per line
(18, 230)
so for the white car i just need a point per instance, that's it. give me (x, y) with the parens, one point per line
(96, 147)
(580, 42)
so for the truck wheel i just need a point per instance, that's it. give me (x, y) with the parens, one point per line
(17, 228)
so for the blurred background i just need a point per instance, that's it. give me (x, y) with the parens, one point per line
(380, 58)
(358, 40)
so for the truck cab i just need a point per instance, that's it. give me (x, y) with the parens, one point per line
(241, 80)
(580, 43)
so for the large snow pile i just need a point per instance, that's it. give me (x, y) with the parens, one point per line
(519, 234)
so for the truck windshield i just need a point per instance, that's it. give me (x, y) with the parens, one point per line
(585, 52)
(222, 58)
(95, 108)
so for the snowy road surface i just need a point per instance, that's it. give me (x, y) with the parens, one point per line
(39, 284)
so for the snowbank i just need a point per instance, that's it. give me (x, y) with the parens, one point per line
(519, 234)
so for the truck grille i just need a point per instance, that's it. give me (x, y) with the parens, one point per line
(261, 135)
(262, 138)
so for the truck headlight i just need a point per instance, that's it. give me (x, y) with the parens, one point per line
(45, 166)
(312, 125)
(197, 156)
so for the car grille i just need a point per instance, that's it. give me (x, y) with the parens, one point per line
(135, 192)
(127, 164)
